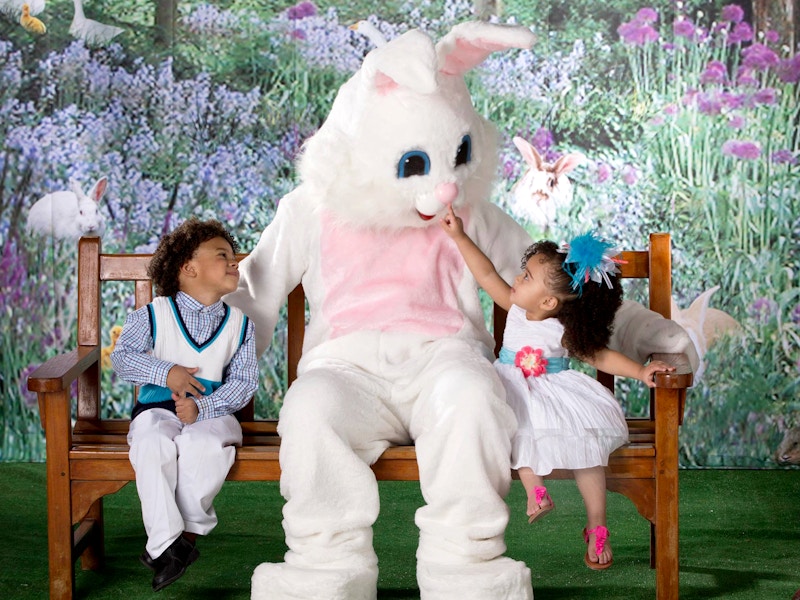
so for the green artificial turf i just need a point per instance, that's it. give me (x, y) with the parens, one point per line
(740, 539)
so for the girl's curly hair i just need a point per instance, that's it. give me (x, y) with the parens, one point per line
(588, 317)
(177, 247)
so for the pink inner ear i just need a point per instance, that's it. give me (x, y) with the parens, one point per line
(384, 84)
(468, 54)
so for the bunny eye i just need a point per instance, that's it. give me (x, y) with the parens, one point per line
(414, 162)
(551, 183)
(464, 152)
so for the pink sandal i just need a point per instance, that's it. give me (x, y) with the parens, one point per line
(601, 535)
(541, 494)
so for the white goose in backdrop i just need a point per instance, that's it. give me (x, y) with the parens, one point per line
(13, 8)
(89, 30)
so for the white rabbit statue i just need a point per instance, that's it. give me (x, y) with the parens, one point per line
(544, 187)
(69, 214)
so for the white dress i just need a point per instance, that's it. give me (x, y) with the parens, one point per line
(567, 420)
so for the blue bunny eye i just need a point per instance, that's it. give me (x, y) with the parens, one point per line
(414, 162)
(464, 152)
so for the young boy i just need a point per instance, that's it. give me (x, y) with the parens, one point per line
(195, 360)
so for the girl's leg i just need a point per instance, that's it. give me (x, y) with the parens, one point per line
(592, 486)
(530, 482)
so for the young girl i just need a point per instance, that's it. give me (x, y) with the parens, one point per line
(563, 303)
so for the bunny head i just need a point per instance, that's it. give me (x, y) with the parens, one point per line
(403, 140)
(545, 186)
(89, 221)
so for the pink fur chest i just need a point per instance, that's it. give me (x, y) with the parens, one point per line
(390, 281)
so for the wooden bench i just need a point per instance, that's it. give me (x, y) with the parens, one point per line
(89, 459)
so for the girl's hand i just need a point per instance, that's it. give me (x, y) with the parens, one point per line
(453, 225)
(647, 371)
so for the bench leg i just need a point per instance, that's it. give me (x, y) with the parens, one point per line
(666, 518)
(93, 556)
(59, 504)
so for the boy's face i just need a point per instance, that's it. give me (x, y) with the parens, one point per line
(213, 269)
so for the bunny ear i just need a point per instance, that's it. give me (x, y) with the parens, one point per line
(566, 163)
(407, 61)
(528, 152)
(468, 44)
(98, 189)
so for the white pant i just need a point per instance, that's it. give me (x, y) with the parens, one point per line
(340, 415)
(179, 471)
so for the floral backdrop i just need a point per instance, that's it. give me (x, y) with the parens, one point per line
(686, 116)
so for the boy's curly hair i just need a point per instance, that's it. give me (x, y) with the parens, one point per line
(178, 247)
(588, 317)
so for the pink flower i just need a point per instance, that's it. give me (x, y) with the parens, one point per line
(772, 36)
(789, 69)
(671, 109)
(732, 13)
(742, 32)
(741, 149)
(637, 34)
(683, 28)
(630, 174)
(531, 362)
(759, 57)
(603, 173)
(766, 96)
(715, 73)
(646, 15)
(786, 157)
(736, 122)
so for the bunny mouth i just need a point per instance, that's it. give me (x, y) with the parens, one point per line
(425, 217)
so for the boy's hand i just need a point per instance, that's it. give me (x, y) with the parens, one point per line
(648, 370)
(453, 225)
(185, 408)
(181, 382)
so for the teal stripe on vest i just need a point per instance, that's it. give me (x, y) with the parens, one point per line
(155, 393)
(555, 364)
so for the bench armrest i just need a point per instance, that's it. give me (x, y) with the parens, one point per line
(680, 378)
(58, 373)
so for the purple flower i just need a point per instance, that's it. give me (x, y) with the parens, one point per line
(733, 101)
(795, 316)
(742, 32)
(709, 104)
(646, 15)
(732, 13)
(637, 34)
(671, 110)
(744, 77)
(788, 70)
(766, 96)
(603, 173)
(772, 36)
(630, 174)
(736, 122)
(542, 140)
(298, 34)
(683, 27)
(301, 10)
(741, 149)
(29, 397)
(759, 57)
(762, 309)
(784, 157)
(715, 73)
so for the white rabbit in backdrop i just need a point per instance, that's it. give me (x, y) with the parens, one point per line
(544, 187)
(69, 214)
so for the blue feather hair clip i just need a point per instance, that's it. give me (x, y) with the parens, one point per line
(590, 258)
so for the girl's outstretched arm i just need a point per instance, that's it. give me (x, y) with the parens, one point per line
(620, 365)
(479, 264)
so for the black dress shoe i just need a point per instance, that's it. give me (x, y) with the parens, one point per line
(171, 565)
(148, 562)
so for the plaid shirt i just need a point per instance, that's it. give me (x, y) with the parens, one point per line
(134, 362)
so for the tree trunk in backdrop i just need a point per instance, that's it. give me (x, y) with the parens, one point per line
(166, 18)
(781, 15)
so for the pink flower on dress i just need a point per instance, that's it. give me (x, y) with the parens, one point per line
(531, 362)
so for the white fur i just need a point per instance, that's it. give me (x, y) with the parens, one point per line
(69, 214)
(544, 187)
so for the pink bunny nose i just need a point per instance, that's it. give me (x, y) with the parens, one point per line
(446, 192)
